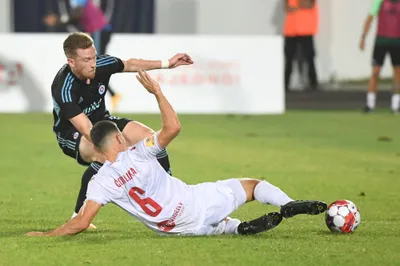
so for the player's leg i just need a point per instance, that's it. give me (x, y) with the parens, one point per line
(231, 226)
(290, 47)
(266, 193)
(307, 47)
(395, 58)
(377, 62)
(223, 198)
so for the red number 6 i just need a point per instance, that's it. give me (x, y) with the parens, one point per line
(144, 203)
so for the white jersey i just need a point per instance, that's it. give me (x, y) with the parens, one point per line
(137, 183)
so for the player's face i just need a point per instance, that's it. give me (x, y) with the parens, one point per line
(84, 63)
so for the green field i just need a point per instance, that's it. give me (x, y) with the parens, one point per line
(309, 155)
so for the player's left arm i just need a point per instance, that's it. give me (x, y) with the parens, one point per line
(76, 225)
(134, 65)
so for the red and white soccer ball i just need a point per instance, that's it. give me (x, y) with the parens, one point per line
(342, 216)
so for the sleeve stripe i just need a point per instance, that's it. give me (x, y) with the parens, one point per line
(66, 89)
(106, 63)
(104, 59)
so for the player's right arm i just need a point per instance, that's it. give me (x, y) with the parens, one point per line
(96, 197)
(76, 225)
(376, 6)
(170, 121)
(82, 123)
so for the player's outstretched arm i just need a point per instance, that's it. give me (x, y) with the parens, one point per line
(134, 65)
(170, 121)
(76, 225)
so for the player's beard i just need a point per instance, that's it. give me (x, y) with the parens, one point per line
(91, 74)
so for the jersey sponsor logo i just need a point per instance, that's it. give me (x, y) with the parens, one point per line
(80, 100)
(76, 135)
(92, 107)
(102, 89)
(169, 224)
(150, 141)
(128, 176)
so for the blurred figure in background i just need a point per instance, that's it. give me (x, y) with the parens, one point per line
(387, 41)
(301, 24)
(88, 17)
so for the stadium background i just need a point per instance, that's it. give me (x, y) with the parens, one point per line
(327, 150)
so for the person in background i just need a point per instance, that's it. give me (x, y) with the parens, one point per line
(301, 24)
(91, 19)
(387, 41)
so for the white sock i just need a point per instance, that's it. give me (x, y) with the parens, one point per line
(231, 226)
(371, 100)
(73, 215)
(395, 102)
(270, 194)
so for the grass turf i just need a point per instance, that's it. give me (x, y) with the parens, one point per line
(309, 155)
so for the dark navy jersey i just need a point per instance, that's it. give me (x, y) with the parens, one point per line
(72, 96)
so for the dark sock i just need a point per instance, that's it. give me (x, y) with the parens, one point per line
(87, 175)
(163, 159)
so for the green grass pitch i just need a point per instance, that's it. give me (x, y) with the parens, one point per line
(309, 155)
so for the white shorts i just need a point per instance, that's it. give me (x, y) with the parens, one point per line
(221, 199)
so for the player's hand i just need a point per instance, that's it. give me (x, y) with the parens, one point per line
(362, 43)
(50, 20)
(180, 60)
(35, 234)
(150, 84)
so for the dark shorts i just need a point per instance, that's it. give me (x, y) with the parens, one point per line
(69, 139)
(380, 51)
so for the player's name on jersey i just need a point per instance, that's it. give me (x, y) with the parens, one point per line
(122, 180)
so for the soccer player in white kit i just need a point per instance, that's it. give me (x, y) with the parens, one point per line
(132, 179)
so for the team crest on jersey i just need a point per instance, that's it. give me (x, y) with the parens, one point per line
(150, 142)
(102, 89)
(76, 135)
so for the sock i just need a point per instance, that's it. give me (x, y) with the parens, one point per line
(74, 215)
(395, 102)
(87, 175)
(231, 226)
(163, 159)
(266, 193)
(371, 99)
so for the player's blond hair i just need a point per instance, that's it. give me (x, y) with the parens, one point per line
(74, 41)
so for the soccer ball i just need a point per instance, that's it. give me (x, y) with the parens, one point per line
(342, 216)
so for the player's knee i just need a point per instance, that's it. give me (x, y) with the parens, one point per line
(249, 185)
(135, 131)
(376, 72)
(88, 152)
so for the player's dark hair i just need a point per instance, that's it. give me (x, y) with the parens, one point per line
(74, 41)
(100, 131)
